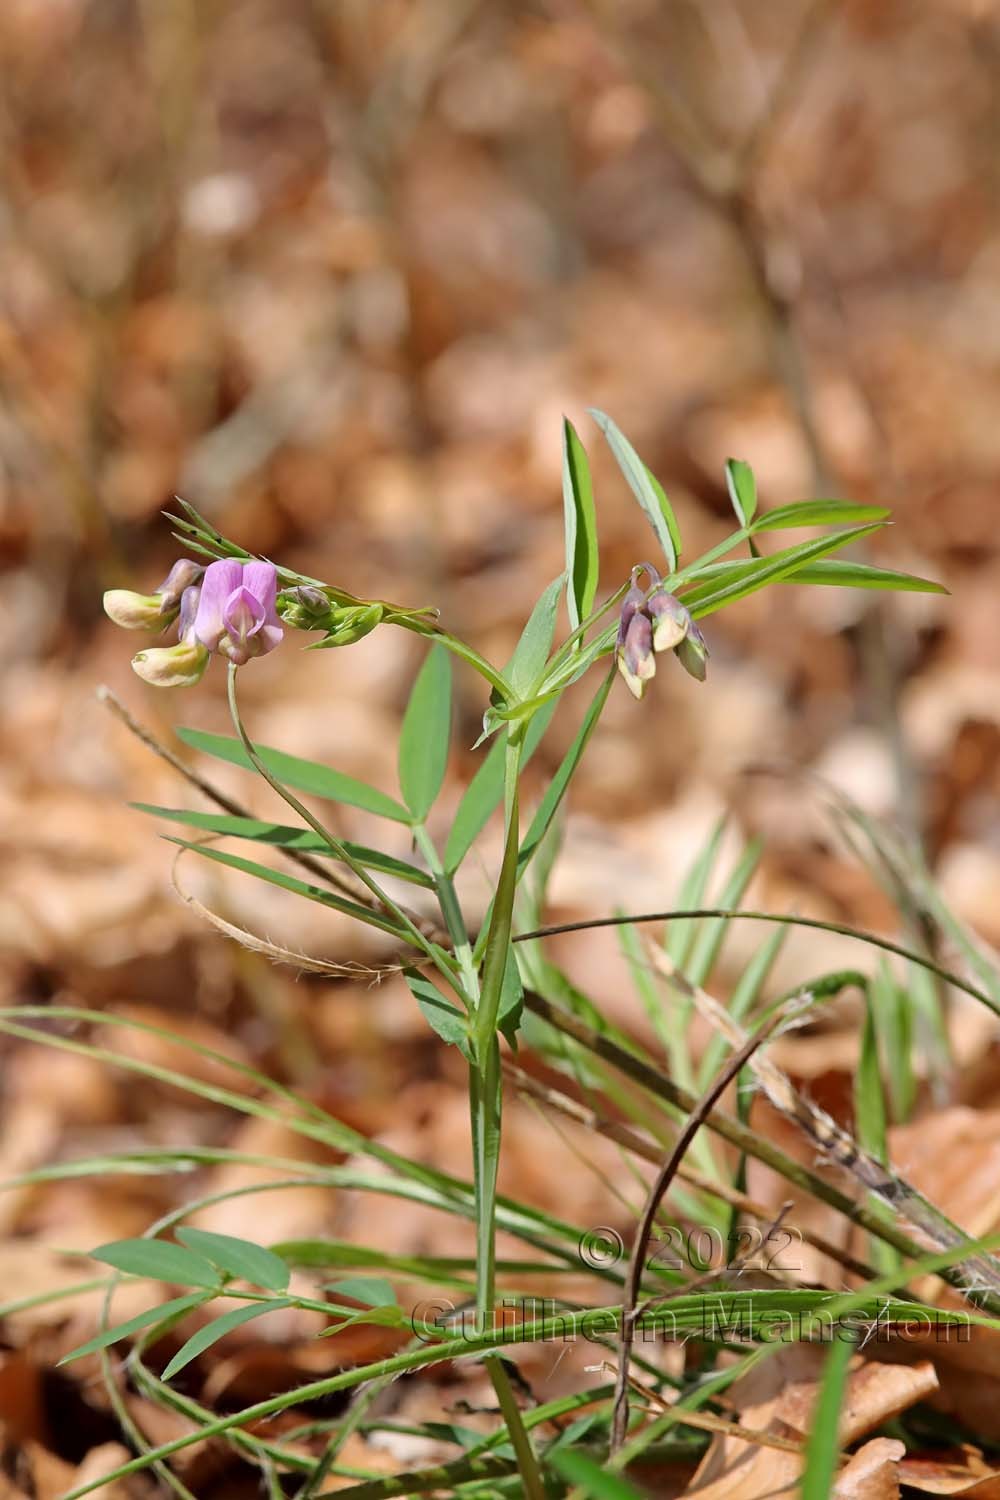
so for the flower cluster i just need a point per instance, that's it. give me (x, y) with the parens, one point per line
(653, 620)
(227, 609)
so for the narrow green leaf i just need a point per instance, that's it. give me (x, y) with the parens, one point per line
(742, 1000)
(819, 513)
(668, 516)
(712, 932)
(891, 1010)
(756, 572)
(373, 1291)
(440, 1014)
(836, 572)
(869, 1101)
(641, 973)
(823, 1445)
(647, 490)
(283, 837)
(532, 650)
(240, 1258)
(596, 1482)
(742, 487)
(158, 1259)
(580, 520)
(841, 573)
(348, 1255)
(212, 1332)
(423, 740)
(290, 883)
(681, 934)
(511, 1002)
(176, 1307)
(484, 793)
(304, 775)
(870, 1121)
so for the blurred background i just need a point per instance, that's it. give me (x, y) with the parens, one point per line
(333, 270)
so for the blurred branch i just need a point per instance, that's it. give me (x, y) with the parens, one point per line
(726, 182)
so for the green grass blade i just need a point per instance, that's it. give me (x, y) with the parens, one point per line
(593, 1480)
(871, 1124)
(305, 775)
(711, 934)
(681, 934)
(823, 1445)
(894, 1031)
(743, 999)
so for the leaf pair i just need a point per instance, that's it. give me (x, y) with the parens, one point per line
(203, 1260)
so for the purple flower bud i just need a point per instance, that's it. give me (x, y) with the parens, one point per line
(634, 601)
(236, 614)
(634, 654)
(305, 608)
(188, 613)
(692, 653)
(671, 621)
(172, 666)
(184, 573)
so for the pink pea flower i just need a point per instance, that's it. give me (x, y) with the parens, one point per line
(236, 610)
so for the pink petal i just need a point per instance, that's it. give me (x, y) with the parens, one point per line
(242, 614)
(269, 637)
(261, 578)
(222, 578)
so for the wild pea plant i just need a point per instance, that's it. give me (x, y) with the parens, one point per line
(475, 987)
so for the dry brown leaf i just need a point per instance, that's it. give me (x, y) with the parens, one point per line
(778, 1396)
(936, 1477)
(100, 1461)
(871, 1473)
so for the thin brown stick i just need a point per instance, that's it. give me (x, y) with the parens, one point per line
(751, 1142)
(638, 1145)
(697, 1118)
(707, 1422)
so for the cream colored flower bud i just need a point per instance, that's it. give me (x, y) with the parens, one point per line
(136, 611)
(172, 666)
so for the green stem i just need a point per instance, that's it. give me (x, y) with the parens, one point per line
(485, 1088)
(451, 911)
(681, 1314)
(527, 1463)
